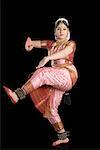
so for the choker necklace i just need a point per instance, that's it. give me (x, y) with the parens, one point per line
(58, 43)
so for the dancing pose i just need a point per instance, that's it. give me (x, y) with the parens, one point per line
(47, 85)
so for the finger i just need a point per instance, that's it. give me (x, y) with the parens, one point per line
(37, 67)
(26, 47)
(28, 39)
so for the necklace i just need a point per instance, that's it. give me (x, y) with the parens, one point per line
(61, 42)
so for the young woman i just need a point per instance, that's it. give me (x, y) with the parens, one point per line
(47, 85)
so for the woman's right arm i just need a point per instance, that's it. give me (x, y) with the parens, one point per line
(29, 44)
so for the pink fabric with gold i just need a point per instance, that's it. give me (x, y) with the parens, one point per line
(59, 81)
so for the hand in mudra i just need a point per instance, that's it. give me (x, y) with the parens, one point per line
(42, 62)
(29, 44)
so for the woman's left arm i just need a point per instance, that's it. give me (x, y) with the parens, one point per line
(61, 54)
(58, 55)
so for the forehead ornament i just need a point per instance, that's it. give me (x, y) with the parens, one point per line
(62, 19)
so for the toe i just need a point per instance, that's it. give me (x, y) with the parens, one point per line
(56, 142)
(60, 142)
(7, 89)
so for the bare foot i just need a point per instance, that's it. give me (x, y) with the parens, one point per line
(12, 95)
(60, 142)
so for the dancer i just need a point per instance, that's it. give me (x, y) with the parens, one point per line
(47, 85)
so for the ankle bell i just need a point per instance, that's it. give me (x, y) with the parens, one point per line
(20, 93)
(62, 136)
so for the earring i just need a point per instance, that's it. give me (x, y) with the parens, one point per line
(68, 36)
(55, 36)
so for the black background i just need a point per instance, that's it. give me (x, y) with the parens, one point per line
(22, 125)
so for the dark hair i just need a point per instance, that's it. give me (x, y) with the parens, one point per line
(61, 21)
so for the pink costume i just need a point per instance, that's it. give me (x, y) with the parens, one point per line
(50, 83)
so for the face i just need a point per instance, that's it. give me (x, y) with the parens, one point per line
(61, 31)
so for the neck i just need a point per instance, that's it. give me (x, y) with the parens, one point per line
(61, 40)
